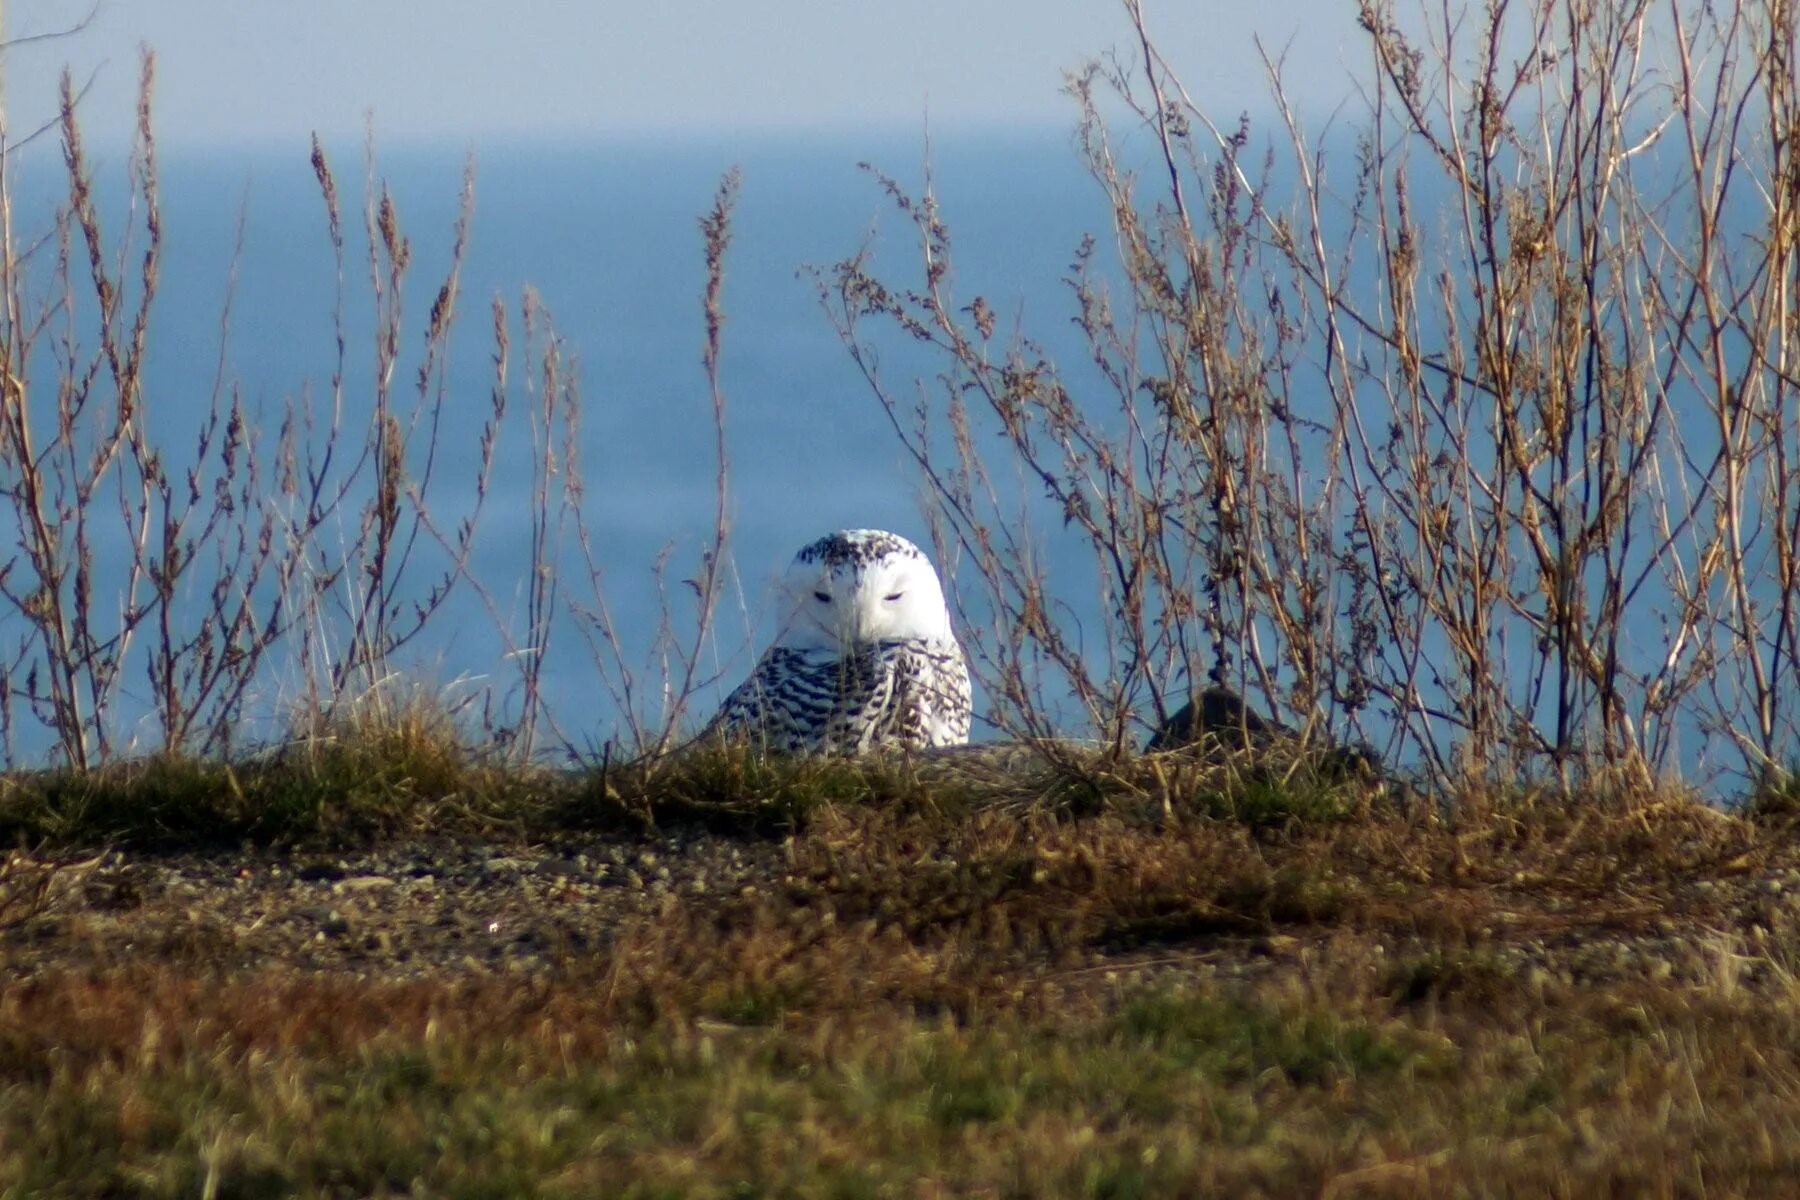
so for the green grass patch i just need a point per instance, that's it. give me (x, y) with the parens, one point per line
(1000, 1000)
(365, 782)
(1235, 1042)
(1158, 1092)
(334, 791)
(727, 788)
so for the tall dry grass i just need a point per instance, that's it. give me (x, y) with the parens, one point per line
(1471, 433)
(203, 578)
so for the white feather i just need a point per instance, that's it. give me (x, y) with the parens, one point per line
(865, 657)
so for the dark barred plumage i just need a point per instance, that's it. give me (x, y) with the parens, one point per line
(907, 694)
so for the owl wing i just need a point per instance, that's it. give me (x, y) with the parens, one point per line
(775, 706)
(800, 703)
(927, 701)
(894, 694)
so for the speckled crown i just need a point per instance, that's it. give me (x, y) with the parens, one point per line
(856, 548)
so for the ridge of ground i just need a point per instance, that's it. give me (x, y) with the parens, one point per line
(1117, 986)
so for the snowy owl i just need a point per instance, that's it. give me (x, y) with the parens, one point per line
(865, 658)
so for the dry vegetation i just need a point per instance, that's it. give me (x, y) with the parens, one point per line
(204, 576)
(1465, 427)
(1480, 451)
(828, 979)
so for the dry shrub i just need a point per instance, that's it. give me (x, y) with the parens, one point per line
(185, 598)
(31, 884)
(1469, 434)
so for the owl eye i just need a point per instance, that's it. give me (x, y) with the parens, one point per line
(894, 597)
(822, 597)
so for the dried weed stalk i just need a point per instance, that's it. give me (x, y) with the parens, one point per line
(651, 724)
(1473, 437)
(302, 570)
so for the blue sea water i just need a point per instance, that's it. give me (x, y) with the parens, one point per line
(606, 234)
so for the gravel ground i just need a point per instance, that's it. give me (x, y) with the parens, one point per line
(400, 910)
(441, 906)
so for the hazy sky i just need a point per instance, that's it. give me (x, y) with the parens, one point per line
(255, 70)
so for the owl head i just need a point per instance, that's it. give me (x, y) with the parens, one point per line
(856, 587)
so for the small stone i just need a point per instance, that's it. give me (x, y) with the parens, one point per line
(118, 891)
(362, 883)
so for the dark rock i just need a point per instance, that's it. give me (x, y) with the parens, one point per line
(1218, 719)
(116, 891)
(1221, 714)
